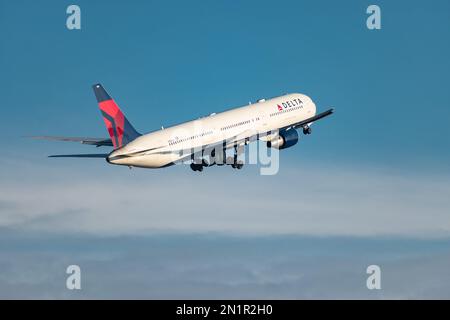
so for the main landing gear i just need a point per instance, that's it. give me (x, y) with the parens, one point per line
(232, 161)
(306, 129)
(197, 167)
(235, 163)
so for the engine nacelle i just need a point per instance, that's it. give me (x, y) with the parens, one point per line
(284, 139)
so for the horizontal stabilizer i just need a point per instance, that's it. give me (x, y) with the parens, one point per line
(84, 140)
(86, 155)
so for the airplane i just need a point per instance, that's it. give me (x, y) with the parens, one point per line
(202, 142)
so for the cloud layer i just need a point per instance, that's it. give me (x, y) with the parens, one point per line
(308, 232)
(303, 200)
(217, 267)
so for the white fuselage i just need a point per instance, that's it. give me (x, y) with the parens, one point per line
(162, 148)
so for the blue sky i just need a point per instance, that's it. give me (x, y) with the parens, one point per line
(377, 170)
(167, 62)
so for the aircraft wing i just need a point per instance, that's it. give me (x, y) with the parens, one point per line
(84, 140)
(312, 119)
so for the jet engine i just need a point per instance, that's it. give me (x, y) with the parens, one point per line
(284, 139)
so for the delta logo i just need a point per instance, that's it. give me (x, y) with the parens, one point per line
(290, 104)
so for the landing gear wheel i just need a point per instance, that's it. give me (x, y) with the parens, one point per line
(196, 167)
(306, 130)
(237, 165)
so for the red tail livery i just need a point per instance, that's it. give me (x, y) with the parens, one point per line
(119, 128)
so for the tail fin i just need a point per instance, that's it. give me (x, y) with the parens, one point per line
(119, 128)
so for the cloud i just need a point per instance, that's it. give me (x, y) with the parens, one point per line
(308, 232)
(221, 267)
(304, 200)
